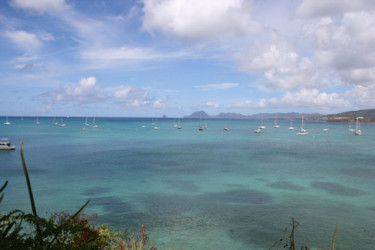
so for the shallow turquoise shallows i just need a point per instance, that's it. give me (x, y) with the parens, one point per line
(210, 189)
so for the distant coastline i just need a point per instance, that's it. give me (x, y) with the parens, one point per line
(368, 116)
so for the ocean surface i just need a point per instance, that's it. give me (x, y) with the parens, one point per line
(210, 189)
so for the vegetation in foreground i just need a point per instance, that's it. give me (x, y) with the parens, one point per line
(21, 230)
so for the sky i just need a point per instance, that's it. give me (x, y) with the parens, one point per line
(148, 58)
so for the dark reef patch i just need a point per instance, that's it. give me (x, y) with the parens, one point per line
(181, 185)
(286, 186)
(111, 204)
(359, 172)
(96, 191)
(242, 196)
(337, 189)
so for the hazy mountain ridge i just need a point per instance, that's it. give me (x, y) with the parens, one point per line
(367, 114)
(291, 115)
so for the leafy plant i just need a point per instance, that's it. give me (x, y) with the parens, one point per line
(20, 230)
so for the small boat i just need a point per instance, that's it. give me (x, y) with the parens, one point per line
(325, 129)
(37, 121)
(350, 127)
(7, 122)
(258, 130)
(54, 122)
(62, 124)
(6, 145)
(86, 122)
(156, 127)
(302, 131)
(291, 125)
(262, 126)
(94, 125)
(276, 125)
(358, 130)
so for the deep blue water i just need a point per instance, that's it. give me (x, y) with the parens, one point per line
(210, 189)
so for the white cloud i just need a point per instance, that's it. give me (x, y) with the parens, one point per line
(218, 86)
(199, 21)
(212, 105)
(346, 47)
(28, 42)
(276, 54)
(84, 92)
(41, 6)
(121, 53)
(249, 104)
(362, 96)
(306, 98)
(135, 97)
(319, 8)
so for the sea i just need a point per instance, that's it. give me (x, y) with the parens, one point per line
(210, 189)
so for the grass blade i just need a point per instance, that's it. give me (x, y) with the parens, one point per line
(80, 210)
(334, 238)
(4, 186)
(28, 181)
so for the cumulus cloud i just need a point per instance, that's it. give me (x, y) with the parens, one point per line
(26, 41)
(276, 53)
(41, 6)
(310, 98)
(249, 104)
(346, 46)
(131, 96)
(212, 105)
(319, 8)
(85, 91)
(217, 86)
(199, 21)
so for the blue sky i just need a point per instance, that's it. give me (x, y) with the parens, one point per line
(154, 57)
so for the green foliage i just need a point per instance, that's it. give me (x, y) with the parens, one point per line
(19, 230)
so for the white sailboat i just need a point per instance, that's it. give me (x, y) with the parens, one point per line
(54, 121)
(86, 122)
(258, 130)
(358, 130)
(291, 125)
(302, 131)
(37, 121)
(7, 122)
(62, 124)
(276, 125)
(94, 125)
(156, 127)
(350, 127)
(262, 126)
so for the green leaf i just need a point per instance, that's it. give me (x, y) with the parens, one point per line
(28, 181)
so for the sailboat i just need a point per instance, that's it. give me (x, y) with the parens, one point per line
(358, 130)
(291, 125)
(276, 125)
(62, 124)
(7, 122)
(262, 126)
(200, 125)
(302, 131)
(86, 122)
(94, 125)
(54, 121)
(350, 127)
(37, 121)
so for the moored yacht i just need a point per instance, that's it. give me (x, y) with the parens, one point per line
(6, 145)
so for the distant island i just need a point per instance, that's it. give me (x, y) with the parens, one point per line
(367, 114)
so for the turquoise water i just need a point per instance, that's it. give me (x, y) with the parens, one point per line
(210, 189)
